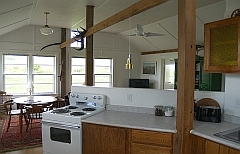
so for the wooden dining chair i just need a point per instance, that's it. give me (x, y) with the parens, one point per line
(13, 112)
(60, 102)
(2, 110)
(34, 112)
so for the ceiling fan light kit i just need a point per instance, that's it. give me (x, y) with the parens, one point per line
(46, 30)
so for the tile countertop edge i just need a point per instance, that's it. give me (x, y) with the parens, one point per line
(133, 127)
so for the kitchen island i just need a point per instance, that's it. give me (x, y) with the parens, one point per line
(150, 122)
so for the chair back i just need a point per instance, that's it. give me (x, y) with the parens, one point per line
(3, 98)
(8, 106)
(60, 102)
(35, 111)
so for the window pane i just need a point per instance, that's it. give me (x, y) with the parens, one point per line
(40, 69)
(43, 78)
(15, 69)
(15, 79)
(43, 88)
(78, 79)
(102, 78)
(19, 88)
(15, 59)
(78, 69)
(102, 62)
(42, 60)
(102, 70)
(78, 61)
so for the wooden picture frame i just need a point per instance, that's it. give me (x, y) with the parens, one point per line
(149, 68)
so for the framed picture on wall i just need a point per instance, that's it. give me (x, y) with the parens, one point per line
(149, 68)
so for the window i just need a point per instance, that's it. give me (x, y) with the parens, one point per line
(103, 71)
(43, 74)
(15, 73)
(20, 70)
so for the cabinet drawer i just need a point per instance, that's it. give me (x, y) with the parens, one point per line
(150, 137)
(149, 149)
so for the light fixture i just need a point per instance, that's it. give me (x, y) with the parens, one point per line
(46, 30)
(129, 64)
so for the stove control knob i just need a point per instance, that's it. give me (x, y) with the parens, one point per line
(94, 97)
(85, 97)
(73, 95)
(77, 96)
(99, 97)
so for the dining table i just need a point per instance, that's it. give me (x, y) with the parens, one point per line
(29, 100)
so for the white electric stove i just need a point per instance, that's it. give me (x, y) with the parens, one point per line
(61, 127)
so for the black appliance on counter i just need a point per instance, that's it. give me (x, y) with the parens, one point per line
(208, 113)
(139, 83)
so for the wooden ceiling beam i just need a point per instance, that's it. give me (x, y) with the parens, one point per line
(130, 11)
(159, 51)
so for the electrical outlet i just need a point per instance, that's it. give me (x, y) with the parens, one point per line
(129, 97)
(237, 103)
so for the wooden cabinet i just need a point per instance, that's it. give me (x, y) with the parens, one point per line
(203, 81)
(222, 46)
(204, 146)
(150, 142)
(100, 139)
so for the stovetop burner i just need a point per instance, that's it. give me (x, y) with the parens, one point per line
(77, 113)
(60, 111)
(72, 107)
(88, 109)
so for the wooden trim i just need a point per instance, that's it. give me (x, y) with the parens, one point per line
(63, 73)
(186, 65)
(89, 47)
(160, 51)
(130, 11)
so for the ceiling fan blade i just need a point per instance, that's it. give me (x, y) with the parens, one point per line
(140, 29)
(153, 34)
(132, 35)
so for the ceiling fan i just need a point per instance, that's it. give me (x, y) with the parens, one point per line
(140, 32)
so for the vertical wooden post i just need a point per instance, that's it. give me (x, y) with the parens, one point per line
(186, 82)
(89, 47)
(62, 78)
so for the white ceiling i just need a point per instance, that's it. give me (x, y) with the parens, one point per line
(71, 14)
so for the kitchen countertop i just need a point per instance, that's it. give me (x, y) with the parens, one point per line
(207, 129)
(161, 123)
(134, 120)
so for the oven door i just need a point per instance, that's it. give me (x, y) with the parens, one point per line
(61, 138)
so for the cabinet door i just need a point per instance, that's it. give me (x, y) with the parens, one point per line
(100, 139)
(137, 148)
(221, 46)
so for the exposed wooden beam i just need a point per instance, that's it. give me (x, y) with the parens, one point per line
(160, 51)
(132, 10)
(186, 65)
(89, 47)
(63, 73)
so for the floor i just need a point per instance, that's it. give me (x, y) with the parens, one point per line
(37, 150)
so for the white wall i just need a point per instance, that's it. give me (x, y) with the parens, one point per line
(232, 92)
(144, 97)
(28, 39)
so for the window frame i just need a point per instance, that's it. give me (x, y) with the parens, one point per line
(30, 72)
(95, 74)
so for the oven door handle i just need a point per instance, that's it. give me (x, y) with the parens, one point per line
(61, 124)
